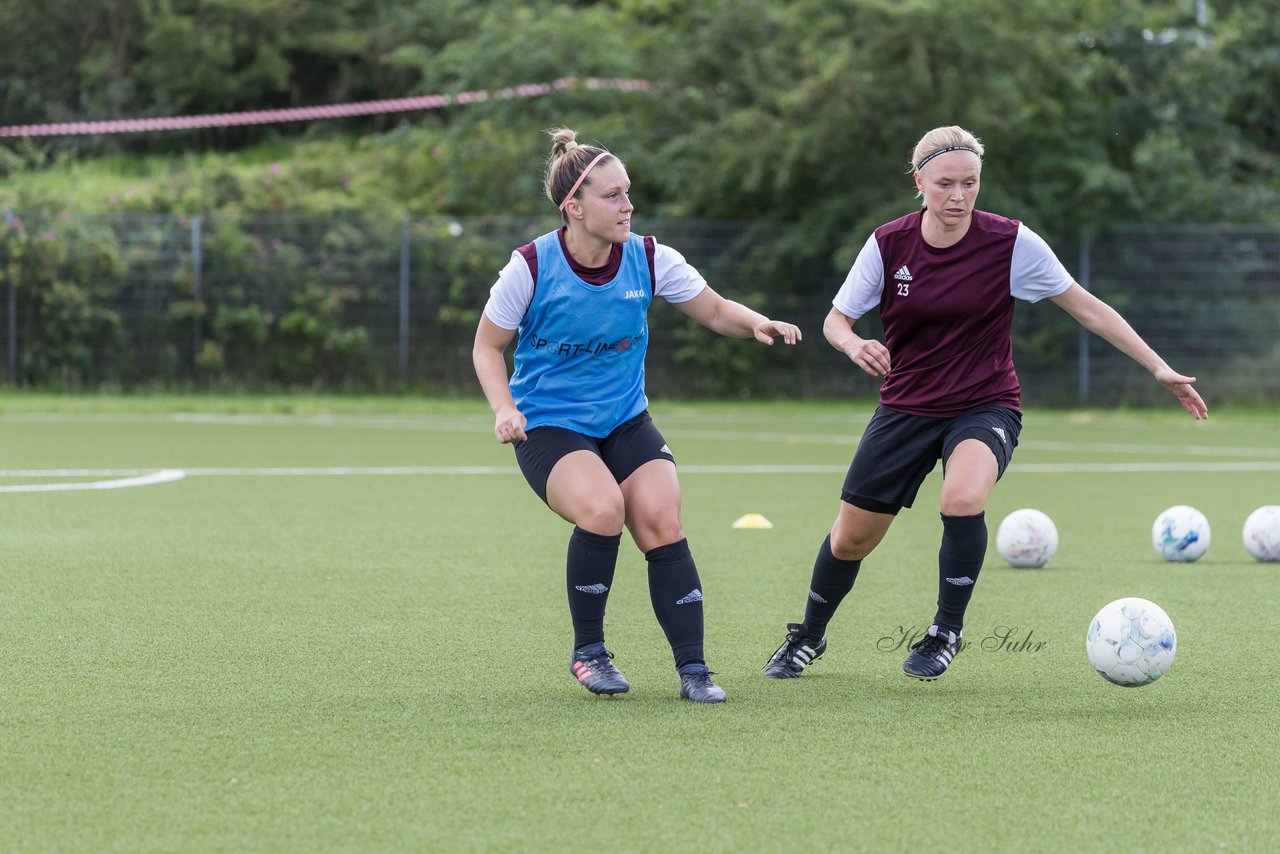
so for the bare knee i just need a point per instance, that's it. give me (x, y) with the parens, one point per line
(963, 502)
(857, 532)
(968, 478)
(852, 543)
(603, 515)
(656, 529)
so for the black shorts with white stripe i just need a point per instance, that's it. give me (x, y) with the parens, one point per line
(632, 444)
(898, 451)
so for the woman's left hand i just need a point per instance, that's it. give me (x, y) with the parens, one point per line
(1183, 390)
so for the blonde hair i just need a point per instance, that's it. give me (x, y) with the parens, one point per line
(942, 139)
(567, 163)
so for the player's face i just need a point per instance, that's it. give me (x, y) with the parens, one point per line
(606, 207)
(950, 187)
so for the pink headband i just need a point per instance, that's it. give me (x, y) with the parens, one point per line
(578, 183)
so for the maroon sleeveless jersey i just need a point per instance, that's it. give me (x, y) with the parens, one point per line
(948, 316)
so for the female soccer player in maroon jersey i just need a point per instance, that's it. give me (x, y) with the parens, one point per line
(945, 279)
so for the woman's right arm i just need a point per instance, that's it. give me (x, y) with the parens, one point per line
(859, 293)
(867, 353)
(491, 369)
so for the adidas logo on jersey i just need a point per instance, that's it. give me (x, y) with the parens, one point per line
(694, 595)
(903, 274)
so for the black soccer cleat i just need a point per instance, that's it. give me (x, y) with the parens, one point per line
(796, 653)
(931, 656)
(592, 666)
(696, 685)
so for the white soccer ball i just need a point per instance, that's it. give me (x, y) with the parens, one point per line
(1181, 533)
(1027, 538)
(1262, 533)
(1131, 642)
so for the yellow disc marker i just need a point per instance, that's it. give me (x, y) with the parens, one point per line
(752, 520)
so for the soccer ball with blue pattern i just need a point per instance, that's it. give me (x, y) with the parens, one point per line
(1181, 534)
(1131, 642)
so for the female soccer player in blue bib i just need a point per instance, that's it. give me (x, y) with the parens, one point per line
(945, 279)
(577, 301)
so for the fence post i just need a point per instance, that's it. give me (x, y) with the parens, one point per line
(404, 298)
(197, 280)
(13, 332)
(12, 314)
(1085, 274)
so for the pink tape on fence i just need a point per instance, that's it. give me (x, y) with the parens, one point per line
(308, 114)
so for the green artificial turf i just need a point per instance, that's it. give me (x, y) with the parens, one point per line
(345, 630)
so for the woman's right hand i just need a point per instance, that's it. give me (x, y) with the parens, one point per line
(509, 426)
(870, 355)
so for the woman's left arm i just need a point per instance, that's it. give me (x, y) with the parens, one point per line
(735, 320)
(1105, 322)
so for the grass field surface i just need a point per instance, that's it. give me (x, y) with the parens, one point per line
(339, 625)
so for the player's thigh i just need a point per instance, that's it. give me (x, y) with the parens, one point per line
(652, 498)
(976, 451)
(857, 531)
(970, 473)
(582, 490)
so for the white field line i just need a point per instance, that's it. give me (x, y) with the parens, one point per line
(1270, 456)
(459, 424)
(1166, 450)
(481, 425)
(427, 423)
(1039, 468)
(162, 476)
(137, 477)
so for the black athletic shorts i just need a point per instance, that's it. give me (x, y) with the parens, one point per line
(898, 451)
(632, 444)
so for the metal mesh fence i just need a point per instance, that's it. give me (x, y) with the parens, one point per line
(392, 303)
(1207, 298)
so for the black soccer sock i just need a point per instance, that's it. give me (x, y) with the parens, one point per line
(832, 580)
(964, 545)
(677, 600)
(589, 570)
